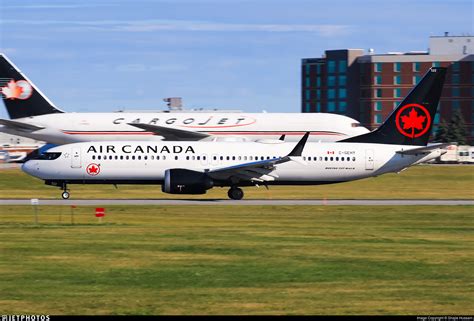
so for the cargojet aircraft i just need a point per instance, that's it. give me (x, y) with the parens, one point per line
(33, 115)
(195, 167)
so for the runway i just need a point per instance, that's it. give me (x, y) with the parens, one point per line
(163, 202)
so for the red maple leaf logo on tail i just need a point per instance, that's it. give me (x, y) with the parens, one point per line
(418, 123)
(11, 91)
(413, 120)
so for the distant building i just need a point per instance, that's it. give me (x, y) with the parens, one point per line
(369, 86)
(15, 148)
(7, 140)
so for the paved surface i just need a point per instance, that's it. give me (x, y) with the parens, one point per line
(231, 202)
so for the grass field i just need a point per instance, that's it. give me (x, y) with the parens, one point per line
(238, 260)
(418, 182)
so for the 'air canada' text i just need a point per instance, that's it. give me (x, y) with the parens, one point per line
(128, 149)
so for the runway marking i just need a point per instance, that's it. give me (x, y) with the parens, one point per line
(371, 202)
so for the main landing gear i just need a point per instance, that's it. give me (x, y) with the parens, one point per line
(65, 194)
(235, 193)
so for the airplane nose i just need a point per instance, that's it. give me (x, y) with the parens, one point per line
(28, 167)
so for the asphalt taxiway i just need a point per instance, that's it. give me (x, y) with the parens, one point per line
(369, 202)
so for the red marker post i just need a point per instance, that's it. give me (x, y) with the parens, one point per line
(72, 213)
(100, 213)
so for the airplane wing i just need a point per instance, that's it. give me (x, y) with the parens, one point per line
(171, 133)
(424, 149)
(260, 171)
(19, 126)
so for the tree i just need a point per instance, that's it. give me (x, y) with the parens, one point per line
(457, 129)
(454, 131)
(441, 134)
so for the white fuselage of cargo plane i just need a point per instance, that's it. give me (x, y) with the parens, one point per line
(64, 128)
(225, 163)
(33, 115)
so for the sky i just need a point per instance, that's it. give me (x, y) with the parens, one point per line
(107, 55)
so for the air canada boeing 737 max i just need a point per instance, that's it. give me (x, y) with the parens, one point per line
(33, 115)
(195, 167)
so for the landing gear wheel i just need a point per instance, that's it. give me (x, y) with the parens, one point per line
(65, 195)
(235, 193)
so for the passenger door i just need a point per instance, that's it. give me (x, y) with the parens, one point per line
(76, 158)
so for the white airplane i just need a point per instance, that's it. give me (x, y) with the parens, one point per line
(33, 115)
(195, 167)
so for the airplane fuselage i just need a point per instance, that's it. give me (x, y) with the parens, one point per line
(64, 128)
(146, 162)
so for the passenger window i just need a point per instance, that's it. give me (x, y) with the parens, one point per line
(337, 159)
(233, 157)
(116, 157)
(326, 158)
(110, 157)
(198, 157)
(245, 157)
(127, 157)
(222, 157)
(353, 159)
(145, 157)
(176, 158)
(157, 157)
(187, 157)
(93, 156)
(152, 157)
(331, 159)
(342, 158)
(214, 158)
(133, 157)
(228, 157)
(139, 157)
(98, 157)
(164, 157)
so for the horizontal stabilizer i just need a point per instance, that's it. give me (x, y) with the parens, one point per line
(19, 126)
(425, 149)
(171, 133)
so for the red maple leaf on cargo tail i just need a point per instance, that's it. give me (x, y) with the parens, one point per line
(11, 91)
(413, 121)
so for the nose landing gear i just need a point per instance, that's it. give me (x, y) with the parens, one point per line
(235, 193)
(65, 194)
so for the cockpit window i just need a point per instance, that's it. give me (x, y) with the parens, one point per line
(48, 156)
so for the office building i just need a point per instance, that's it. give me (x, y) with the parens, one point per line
(368, 86)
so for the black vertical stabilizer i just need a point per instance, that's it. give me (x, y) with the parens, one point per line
(19, 94)
(411, 122)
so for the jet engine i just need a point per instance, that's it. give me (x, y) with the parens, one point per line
(184, 181)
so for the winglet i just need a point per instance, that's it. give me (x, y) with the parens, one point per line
(296, 152)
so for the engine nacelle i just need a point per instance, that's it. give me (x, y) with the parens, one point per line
(185, 181)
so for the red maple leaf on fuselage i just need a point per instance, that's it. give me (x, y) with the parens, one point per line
(413, 120)
(11, 91)
(93, 169)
